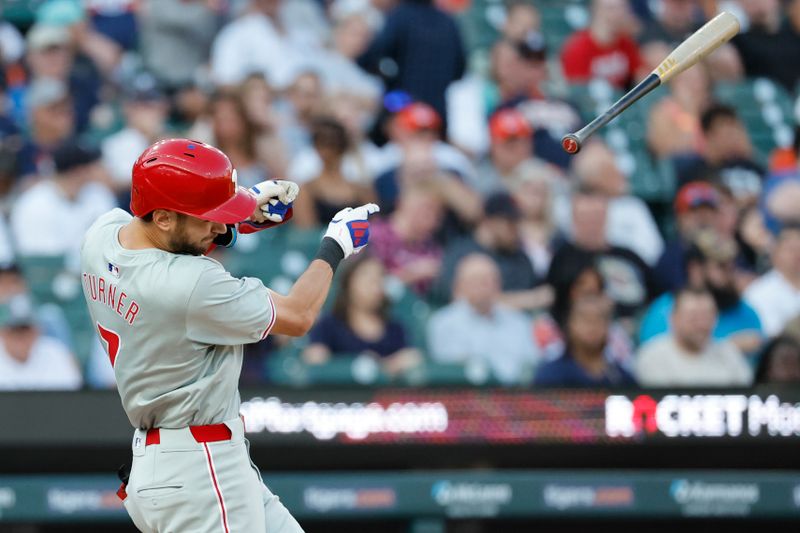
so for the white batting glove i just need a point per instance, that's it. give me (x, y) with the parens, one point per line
(350, 228)
(273, 200)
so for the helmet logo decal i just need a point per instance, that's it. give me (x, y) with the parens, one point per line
(191, 146)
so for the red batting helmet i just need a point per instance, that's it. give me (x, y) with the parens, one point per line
(192, 178)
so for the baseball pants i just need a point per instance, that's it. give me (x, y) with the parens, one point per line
(184, 481)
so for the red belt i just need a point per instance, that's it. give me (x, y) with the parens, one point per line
(210, 433)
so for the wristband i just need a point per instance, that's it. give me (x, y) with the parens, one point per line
(330, 252)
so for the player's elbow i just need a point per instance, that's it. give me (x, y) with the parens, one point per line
(303, 325)
(295, 324)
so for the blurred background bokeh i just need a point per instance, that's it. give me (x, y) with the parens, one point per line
(531, 341)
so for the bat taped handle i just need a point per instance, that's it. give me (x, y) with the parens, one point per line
(572, 142)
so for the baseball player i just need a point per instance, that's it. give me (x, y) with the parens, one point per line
(174, 321)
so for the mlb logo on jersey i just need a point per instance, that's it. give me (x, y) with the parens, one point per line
(113, 269)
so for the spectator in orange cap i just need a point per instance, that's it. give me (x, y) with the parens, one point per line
(419, 124)
(511, 148)
(413, 132)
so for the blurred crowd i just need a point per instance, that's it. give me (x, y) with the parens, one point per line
(541, 269)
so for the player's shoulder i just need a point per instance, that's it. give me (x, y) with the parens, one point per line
(114, 217)
(110, 219)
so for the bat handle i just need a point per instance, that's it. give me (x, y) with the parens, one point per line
(572, 142)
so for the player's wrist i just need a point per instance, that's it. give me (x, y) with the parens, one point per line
(331, 252)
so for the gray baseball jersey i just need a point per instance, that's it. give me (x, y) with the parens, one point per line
(173, 326)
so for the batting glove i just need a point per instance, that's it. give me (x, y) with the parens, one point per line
(274, 199)
(350, 228)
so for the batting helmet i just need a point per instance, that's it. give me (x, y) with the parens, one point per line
(189, 177)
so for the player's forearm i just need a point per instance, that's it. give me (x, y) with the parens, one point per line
(298, 310)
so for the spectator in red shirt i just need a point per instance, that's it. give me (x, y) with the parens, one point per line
(605, 49)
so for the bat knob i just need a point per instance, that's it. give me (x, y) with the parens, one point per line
(570, 143)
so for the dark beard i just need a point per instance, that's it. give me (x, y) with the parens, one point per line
(185, 248)
(725, 297)
(179, 244)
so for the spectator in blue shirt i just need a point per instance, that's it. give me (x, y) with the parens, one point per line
(584, 362)
(711, 265)
(697, 207)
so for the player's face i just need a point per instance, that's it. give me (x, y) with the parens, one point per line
(193, 236)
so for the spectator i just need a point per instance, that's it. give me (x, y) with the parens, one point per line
(258, 99)
(584, 362)
(533, 192)
(511, 147)
(412, 30)
(419, 124)
(605, 49)
(176, 37)
(51, 121)
(673, 125)
(770, 44)
(266, 26)
(297, 110)
(234, 132)
(52, 53)
(628, 279)
(550, 117)
(780, 362)
(116, 19)
(630, 223)
(710, 265)
(496, 235)
(518, 80)
(354, 27)
(189, 107)
(415, 155)
(360, 323)
(405, 242)
(49, 316)
(697, 207)
(29, 360)
(473, 98)
(145, 109)
(728, 155)
(776, 295)
(521, 19)
(688, 356)
(674, 21)
(77, 196)
(582, 280)
(779, 200)
(363, 160)
(477, 330)
(330, 191)
(96, 54)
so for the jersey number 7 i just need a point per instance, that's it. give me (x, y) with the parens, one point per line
(112, 342)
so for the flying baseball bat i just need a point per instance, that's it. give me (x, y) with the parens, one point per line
(711, 36)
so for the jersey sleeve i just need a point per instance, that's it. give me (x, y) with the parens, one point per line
(226, 310)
